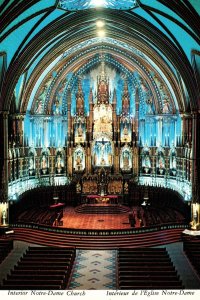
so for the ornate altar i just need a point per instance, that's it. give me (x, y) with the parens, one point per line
(109, 199)
(89, 184)
(115, 186)
(101, 144)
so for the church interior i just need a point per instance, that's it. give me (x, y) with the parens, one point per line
(100, 144)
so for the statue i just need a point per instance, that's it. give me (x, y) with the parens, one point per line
(173, 162)
(80, 104)
(4, 217)
(110, 159)
(41, 100)
(44, 164)
(102, 87)
(102, 162)
(79, 161)
(173, 165)
(126, 161)
(125, 104)
(31, 165)
(126, 187)
(78, 188)
(161, 162)
(147, 162)
(57, 109)
(38, 109)
(59, 163)
(166, 106)
(80, 130)
(161, 165)
(149, 103)
(125, 131)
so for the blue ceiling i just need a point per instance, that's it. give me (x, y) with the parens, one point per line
(36, 36)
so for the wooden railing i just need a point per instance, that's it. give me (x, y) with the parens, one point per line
(100, 232)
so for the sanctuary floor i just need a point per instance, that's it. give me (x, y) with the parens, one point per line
(72, 219)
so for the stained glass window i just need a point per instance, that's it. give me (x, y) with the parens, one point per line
(86, 4)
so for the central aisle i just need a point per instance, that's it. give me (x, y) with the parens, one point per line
(94, 270)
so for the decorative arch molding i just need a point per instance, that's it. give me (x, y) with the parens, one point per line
(113, 57)
(132, 60)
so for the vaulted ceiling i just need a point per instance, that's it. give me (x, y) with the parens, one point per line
(40, 39)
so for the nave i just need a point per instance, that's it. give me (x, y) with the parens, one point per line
(100, 143)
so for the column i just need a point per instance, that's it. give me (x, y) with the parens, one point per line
(88, 164)
(69, 162)
(195, 167)
(116, 159)
(135, 161)
(175, 138)
(31, 132)
(160, 121)
(21, 128)
(182, 130)
(69, 114)
(4, 156)
(46, 135)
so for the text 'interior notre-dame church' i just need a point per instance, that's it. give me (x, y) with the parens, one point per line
(100, 145)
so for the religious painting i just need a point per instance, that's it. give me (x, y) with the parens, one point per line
(102, 119)
(80, 130)
(102, 152)
(79, 159)
(126, 159)
(125, 132)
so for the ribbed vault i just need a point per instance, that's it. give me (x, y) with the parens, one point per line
(73, 28)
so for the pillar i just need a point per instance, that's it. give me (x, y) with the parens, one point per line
(4, 168)
(160, 131)
(195, 207)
